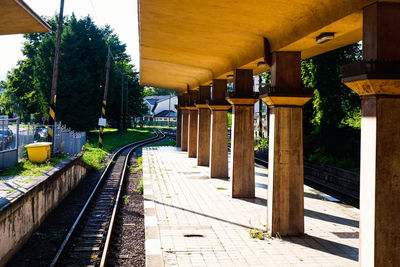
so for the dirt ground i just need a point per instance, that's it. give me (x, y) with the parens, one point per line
(127, 248)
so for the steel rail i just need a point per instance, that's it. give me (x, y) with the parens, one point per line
(102, 178)
(117, 201)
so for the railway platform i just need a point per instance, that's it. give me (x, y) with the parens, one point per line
(191, 220)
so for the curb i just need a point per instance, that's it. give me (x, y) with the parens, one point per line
(152, 232)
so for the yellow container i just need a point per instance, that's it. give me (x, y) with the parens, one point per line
(38, 152)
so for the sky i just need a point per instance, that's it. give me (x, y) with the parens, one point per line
(121, 15)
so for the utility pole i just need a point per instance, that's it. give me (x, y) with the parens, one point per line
(103, 109)
(126, 108)
(53, 95)
(122, 104)
(260, 133)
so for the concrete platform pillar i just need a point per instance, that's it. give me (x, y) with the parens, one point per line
(242, 143)
(377, 80)
(179, 121)
(203, 127)
(192, 128)
(219, 130)
(285, 97)
(184, 123)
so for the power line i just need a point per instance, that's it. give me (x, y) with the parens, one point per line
(94, 11)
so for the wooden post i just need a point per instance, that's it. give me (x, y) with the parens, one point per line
(53, 91)
(285, 97)
(219, 130)
(242, 144)
(103, 109)
(192, 131)
(203, 128)
(377, 80)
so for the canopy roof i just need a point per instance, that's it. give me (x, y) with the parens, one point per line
(17, 17)
(185, 44)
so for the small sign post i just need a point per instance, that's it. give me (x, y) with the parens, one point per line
(102, 122)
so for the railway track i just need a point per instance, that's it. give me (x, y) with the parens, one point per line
(328, 183)
(87, 242)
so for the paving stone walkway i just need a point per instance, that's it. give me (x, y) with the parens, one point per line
(191, 220)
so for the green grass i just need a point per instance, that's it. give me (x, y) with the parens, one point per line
(139, 167)
(169, 142)
(260, 143)
(113, 140)
(30, 169)
(140, 186)
(94, 156)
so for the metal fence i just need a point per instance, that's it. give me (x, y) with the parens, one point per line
(158, 123)
(67, 141)
(14, 136)
(9, 141)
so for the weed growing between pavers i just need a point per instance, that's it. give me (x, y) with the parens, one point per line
(278, 235)
(221, 188)
(165, 183)
(256, 233)
(12, 190)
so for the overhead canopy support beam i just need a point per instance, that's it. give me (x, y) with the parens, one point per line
(219, 130)
(203, 131)
(285, 97)
(192, 130)
(242, 98)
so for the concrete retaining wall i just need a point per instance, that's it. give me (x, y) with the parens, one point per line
(23, 215)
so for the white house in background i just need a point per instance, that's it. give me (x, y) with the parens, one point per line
(161, 108)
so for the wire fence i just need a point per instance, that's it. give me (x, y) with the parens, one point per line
(67, 141)
(14, 136)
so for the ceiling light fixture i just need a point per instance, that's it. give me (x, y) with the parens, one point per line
(261, 64)
(229, 76)
(324, 37)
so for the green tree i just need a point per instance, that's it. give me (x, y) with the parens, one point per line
(332, 118)
(151, 91)
(81, 75)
